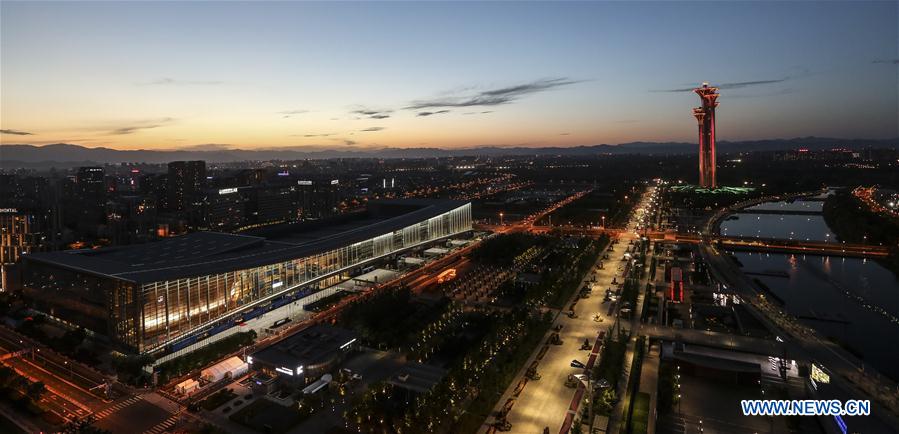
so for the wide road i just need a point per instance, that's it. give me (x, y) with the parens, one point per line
(68, 393)
(545, 402)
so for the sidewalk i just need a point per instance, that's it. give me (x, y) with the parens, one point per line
(649, 379)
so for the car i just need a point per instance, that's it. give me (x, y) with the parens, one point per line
(576, 364)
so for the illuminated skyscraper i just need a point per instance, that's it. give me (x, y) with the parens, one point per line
(705, 117)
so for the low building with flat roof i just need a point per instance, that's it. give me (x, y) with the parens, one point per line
(158, 298)
(306, 355)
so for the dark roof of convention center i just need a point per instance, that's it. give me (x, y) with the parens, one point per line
(311, 346)
(202, 253)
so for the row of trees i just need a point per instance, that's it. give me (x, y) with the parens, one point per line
(21, 391)
(563, 270)
(502, 250)
(203, 356)
(464, 398)
(391, 319)
(69, 343)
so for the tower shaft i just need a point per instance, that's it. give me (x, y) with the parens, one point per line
(705, 117)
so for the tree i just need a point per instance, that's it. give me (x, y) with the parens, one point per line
(6, 375)
(35, 390)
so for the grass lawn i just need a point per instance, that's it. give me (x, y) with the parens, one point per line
(640, 418)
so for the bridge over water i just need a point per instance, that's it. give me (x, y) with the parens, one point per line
(736, 243)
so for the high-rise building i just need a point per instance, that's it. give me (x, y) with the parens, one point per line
(705, 116)
(17, 236)
(91, 182)
(185, 182)
(272, 205)
(317, 197)
(223, 209)
(90, 201)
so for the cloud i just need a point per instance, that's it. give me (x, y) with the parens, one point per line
(16, 132)
(742, 84)
(887, 61)
(313, 135)
(372, 129)
(289, 113)
(766, 94)
(167, 81)
(137, 126)
(371, 113)
(493, 97)
(207, 147)
(727, 86)
(564, 134)
(348, 142)
(438, 112)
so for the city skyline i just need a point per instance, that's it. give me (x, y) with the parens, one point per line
(338, 75)
(449, 217)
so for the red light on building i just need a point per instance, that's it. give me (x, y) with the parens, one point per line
(676, 285)
(705, 117)
(676, 291)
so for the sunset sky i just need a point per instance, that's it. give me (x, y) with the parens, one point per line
(159, 75)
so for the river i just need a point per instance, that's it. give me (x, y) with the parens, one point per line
(852, 301)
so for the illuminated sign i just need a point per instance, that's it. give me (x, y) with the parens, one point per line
(334, 182)
(284, 371)
(818, 375)
(299, 370)
(304, 182)
(277, 284)
(284, 173)
(249, 360)
(228, 190)
(8, 210)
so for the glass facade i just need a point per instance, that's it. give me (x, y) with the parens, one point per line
(100, 304)
(152, 315)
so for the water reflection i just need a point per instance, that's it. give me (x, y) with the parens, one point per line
(854, 302)
(786, 226)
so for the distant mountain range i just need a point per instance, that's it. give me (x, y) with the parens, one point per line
(66, 155)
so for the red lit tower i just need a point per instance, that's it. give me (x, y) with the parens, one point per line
(705, 116)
